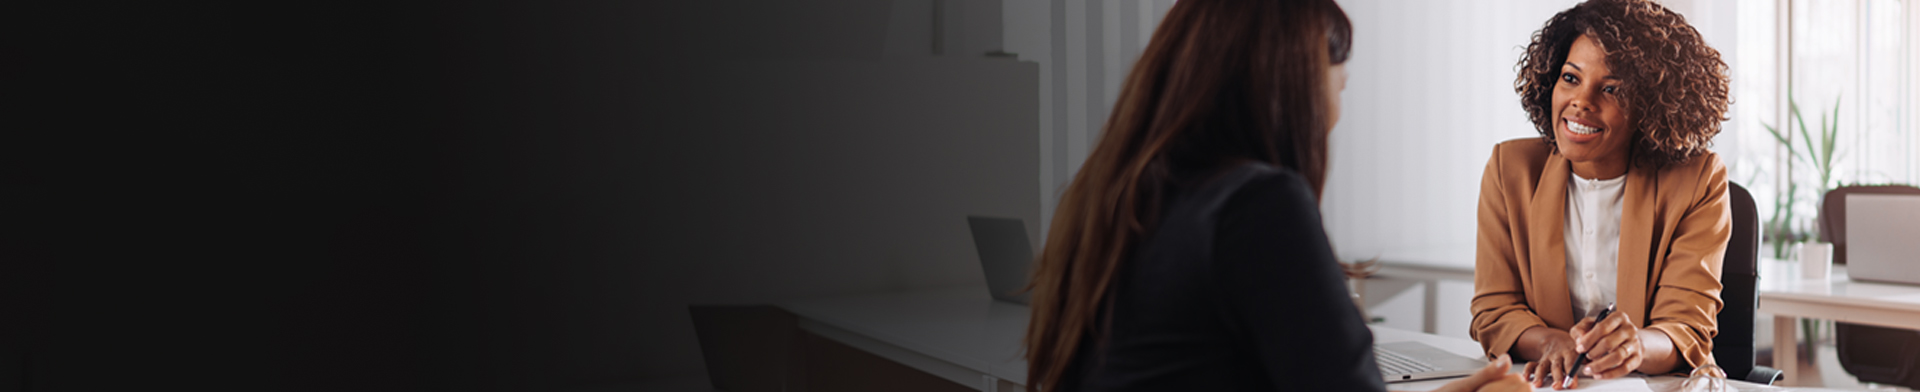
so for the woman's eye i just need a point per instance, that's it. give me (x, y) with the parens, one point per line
(1569, 78)
(1610, 89)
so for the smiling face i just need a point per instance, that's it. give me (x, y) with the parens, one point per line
(1591, 127)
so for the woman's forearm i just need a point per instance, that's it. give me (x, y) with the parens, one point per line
(1656, 356)
(1533, 342)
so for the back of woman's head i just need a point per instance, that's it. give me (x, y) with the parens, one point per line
(1221, 82)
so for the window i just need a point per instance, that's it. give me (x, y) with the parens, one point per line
(1848, 66)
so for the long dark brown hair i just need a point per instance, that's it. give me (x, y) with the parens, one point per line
(1222, 81)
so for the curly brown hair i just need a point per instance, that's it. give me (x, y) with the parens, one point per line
(1675, 86)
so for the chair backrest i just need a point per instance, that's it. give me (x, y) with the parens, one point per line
(1833, 214)
(1733, 346)
(1871, 353)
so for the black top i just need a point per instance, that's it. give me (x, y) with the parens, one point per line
(1236, 290)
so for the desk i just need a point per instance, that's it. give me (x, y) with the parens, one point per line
(964, 336)
(961, 335)
(1428, 265)
(1788, 296)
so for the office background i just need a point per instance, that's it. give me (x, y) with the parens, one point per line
(520, 195)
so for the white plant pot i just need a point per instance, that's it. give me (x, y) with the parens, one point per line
(1816, 260)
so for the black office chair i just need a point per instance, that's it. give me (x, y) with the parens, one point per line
(1873, 354)
(1733, 346)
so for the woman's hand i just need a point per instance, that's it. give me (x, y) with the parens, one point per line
(1612, 345)
(1493, 378)
(1558, 351)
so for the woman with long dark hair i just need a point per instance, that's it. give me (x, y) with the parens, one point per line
(1188, 253)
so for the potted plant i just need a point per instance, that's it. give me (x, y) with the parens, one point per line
(1818, 152)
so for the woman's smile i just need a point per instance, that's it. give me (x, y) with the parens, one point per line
(1580, 131)
(1593, 131)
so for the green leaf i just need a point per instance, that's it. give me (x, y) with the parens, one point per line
(1777, 136)
(1830, 140)
(1806, 137)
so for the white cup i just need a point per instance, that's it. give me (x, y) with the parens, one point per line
(1816, 260)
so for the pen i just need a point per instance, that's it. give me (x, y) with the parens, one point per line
(1582, 359)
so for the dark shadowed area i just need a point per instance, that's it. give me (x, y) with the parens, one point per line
(475, 195)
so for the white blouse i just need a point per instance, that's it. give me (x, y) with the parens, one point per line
(1593, 242)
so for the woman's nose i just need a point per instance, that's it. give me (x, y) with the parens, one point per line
(1582, 98)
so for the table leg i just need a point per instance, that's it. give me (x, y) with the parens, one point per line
(1786, 351)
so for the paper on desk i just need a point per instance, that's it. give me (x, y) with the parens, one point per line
(1623, 384)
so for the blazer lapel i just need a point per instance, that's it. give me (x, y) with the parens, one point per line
(1636, 236)
(1549, 251)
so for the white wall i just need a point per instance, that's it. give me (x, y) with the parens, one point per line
(1084, 49)
(1430, 92)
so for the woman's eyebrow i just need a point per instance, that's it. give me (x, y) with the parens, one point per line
(1576, 67)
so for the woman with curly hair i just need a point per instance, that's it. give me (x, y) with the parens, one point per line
(1618, 204)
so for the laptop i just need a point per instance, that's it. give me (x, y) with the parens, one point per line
(1005, 255)
(1883, 238)
(1415, 361)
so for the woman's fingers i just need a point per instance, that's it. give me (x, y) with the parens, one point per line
(1620, 370)
(1601, 329)
(1500, 365)
(1561, 369)
(1615, 341)
(1601, 366)
(1619, 361)
(1580, 329)
(1620, 364)
(1614, 324)
(1538, 372)
(1494, 371)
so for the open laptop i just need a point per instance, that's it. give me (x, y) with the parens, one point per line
(1005, 255)
(1883, 238)
(1415, 361)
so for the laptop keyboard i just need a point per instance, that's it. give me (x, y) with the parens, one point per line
(1393, 363)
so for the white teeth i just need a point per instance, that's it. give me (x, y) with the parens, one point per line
(1581, 129)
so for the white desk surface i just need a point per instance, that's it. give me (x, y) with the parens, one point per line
(963, 335)
(1783, 292)
(1787, 294)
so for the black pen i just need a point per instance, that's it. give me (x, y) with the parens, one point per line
(1582, 360)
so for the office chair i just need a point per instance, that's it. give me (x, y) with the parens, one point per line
(1733, 346)
(1833, 214)
(1873, 354)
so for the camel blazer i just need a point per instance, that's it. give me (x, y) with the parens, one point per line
(1674, 226)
